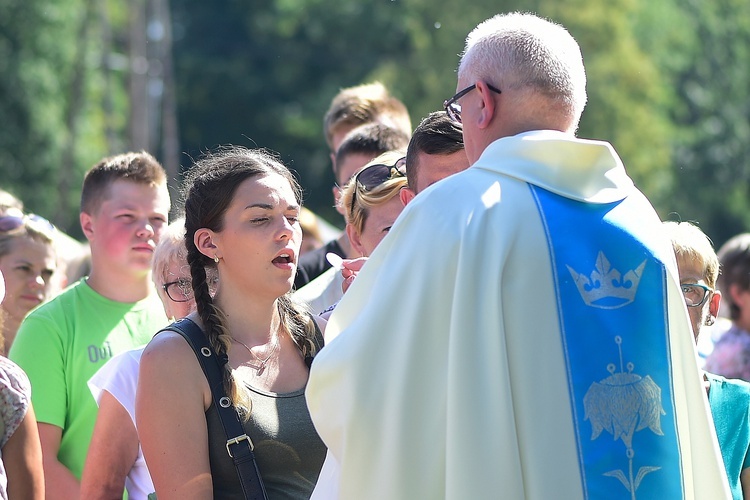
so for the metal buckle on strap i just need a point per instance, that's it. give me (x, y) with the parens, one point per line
(237, 440)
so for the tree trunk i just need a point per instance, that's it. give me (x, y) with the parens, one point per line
(138, 87)
(67, 171)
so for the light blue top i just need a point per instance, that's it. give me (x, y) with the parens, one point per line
(729, 400)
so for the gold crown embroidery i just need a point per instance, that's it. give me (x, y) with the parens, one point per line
(607, 288)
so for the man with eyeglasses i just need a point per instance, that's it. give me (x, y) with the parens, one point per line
(521, 332)
(729, 399)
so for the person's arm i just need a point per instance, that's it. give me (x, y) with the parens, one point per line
(112, 452)
(170, 407)
(745, 482)
(40, 350)
(59, 482)
(22, 457)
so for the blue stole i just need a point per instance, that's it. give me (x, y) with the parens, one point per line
(611, 294)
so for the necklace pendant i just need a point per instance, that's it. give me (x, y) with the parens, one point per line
(259, 371)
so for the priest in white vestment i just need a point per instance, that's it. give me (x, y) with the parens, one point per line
(520, 333)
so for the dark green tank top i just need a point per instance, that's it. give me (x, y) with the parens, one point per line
(288, 450)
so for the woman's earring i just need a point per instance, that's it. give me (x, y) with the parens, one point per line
(216, 259)
(710, 321)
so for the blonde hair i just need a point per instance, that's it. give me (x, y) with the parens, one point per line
(171, 248)
(690, 243)
(362, 104)
(357, 209)
(27, 229)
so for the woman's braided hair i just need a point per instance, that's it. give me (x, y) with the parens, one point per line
(209, 189)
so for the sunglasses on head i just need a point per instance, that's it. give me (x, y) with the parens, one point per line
(12, 222)
(375, 175)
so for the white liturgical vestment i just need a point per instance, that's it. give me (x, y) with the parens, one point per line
(519, 334)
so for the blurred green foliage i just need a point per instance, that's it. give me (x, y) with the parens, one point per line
(667, 85)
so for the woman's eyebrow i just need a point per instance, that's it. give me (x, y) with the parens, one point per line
(264, 206)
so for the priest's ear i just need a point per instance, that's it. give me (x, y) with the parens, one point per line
(486, 105)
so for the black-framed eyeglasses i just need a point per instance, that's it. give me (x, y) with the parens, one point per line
(180, 290)
(375, 175)
(12, 222)
(453, 108)
(695, 294)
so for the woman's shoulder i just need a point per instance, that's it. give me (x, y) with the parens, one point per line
(165, 341)
(170, 368)
(169, 351)
(176, 335)
(13, 376)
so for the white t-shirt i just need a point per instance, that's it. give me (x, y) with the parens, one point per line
(323, 291)
(119, 377)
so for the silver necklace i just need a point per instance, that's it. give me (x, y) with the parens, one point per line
(260, 367)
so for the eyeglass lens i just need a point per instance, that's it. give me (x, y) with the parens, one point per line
(694, 295)
(179, 291)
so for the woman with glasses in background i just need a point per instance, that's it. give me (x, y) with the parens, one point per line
(28, 261)
(115, 461)
(370, 203)
(728, 399)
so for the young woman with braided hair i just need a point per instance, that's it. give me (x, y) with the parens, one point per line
(241, 218)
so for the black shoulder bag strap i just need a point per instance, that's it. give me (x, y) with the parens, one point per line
(239, 445)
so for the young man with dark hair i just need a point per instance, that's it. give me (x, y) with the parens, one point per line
(435, 151)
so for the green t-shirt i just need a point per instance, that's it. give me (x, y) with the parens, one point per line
(61, 344)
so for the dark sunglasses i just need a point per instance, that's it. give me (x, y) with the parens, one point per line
(12, 222)
(375, 175)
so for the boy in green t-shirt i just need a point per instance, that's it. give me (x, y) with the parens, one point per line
(61, 344)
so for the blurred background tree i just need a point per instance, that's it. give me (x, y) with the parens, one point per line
(711, 116)
(81, 79)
